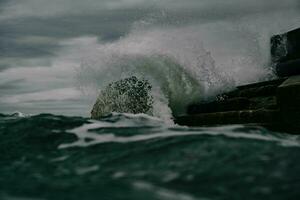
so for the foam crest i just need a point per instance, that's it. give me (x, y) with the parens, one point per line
(87, 134)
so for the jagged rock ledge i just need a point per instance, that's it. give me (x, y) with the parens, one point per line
(274, 104)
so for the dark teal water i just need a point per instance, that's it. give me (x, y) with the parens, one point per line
(137, 157)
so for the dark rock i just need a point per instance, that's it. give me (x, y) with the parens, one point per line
(279, 111)
(260, 116)
(268, 102)
(285, 46)
(288, 97)
(254, 96)
(217, 106)
(288, 68)
(285, 53)
(276, 82)
(260, 89)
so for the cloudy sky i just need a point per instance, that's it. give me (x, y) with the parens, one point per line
(42, 41)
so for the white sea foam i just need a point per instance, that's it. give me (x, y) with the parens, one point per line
(85, 170)
(87, 135)
(163, 193)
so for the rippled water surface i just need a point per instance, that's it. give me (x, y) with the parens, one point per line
(139, 157)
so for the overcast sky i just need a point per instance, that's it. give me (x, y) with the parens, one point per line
(35, 38)
(33, 28)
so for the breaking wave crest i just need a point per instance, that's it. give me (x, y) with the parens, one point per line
(102, 131)
(183, 64)
(179, 71)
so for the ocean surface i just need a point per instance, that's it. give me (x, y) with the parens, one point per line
(138, 157)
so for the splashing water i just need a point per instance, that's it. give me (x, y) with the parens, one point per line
(179, 76)
(187, 63)
(129, 95)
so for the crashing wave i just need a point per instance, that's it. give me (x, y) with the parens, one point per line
(19, 114)
(129, 95)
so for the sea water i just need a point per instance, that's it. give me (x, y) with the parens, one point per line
(126, 156)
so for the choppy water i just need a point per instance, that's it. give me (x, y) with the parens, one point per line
(137, 157)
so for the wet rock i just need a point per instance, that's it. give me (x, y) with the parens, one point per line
(217, 106)
(288, 97)
(259, 116)
(254, 96)
(260, 89)
(129, 95)
(247, 104)
(279, 111)
(285, 53)
(288, 68)
(285, 47)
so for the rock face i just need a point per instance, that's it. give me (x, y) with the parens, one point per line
(274, 104)
(285, 53)
(286, 46)
(288, 68)
(288, 97)
(129, 95)
(253, 103)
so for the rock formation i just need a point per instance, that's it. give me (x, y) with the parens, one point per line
(285, 53)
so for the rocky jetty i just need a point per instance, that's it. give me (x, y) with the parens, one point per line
(274, 104)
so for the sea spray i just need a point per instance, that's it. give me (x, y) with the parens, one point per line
(184, 64)
(179, 76)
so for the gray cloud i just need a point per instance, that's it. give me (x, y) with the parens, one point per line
(33, 37)
(35, 28)
(44, 8)
(46, 23)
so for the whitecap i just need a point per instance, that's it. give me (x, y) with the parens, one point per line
(87, 135)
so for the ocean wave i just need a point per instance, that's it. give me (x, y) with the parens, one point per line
(87, 134)
(16, 114)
